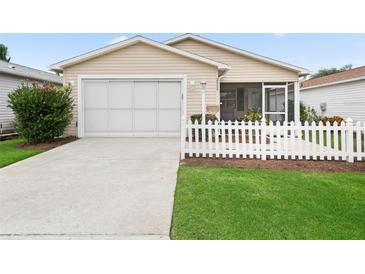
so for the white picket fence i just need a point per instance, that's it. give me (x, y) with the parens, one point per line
(274, 140)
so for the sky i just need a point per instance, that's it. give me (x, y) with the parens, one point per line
(311, 51)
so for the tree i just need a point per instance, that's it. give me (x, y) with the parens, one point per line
(327, 71)
(4, 53)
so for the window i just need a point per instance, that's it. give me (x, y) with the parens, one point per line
(240, 99)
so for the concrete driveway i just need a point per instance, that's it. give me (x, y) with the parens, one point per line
(116, 188)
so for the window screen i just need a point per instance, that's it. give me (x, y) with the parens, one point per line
(240, 99)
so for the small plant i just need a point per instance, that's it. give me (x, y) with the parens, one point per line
(332, 119)
(253, 114)
(42, 112)
(308, 114)
(208, 117)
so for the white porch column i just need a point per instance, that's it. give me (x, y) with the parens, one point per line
(296, 102)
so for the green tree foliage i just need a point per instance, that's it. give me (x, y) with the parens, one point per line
(4, 53)
(328, 71)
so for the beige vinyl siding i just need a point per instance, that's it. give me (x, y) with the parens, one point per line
(145, 59)
(346, 100)
(243, 69)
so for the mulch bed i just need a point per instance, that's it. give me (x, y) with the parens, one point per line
(302, 165)
(47, 146)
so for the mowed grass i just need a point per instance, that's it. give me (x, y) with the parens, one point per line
(9, 153)
(234, 203)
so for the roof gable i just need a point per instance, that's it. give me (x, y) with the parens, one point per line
(300, 70)
(126, 43)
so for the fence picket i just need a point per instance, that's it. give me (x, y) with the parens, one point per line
(203, 134)
(328, 147)
(216, 138)
(243, 138)
(210, 147)
(271, 139)
(190, 138)
(343, 141)
(196, 138)
(307, 151)
(293, 147)
(285, 139)
(320, 137)
(257, 140)
(358, 140)
(230, 139)
(335, 140)
(223, 136)
(250, 143)
(236, 139)
(263, 139)
(279, 143)
(350, 140)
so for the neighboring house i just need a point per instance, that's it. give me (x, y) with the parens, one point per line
(11, 76)
(140, 87)
(340, 94)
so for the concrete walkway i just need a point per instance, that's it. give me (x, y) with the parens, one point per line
(116, 188)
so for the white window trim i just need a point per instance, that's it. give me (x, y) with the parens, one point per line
(157, 77)
(285, 112)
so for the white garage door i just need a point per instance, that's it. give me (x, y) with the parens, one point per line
(131, 108)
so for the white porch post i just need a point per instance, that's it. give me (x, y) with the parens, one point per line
(296, 102)
(203, 83)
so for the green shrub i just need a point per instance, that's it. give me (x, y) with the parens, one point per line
(208, 117)
(253, 114)
(308, 114)
(42, 112)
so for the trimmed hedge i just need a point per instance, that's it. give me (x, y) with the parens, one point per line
(42, 112)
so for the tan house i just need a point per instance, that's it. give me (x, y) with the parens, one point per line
(140, 87)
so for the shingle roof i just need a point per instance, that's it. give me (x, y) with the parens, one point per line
(29, 73)
(333, 78)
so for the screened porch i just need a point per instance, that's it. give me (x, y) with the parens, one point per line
(277, 101)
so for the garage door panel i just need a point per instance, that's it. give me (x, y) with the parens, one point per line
(169, 95)
(169, 120)
(96, 95)
(131, 108)
(145, 120)
(96, 120)
(145, 94)
(120, 94)
(120, 120)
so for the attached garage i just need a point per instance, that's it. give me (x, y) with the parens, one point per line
(137, 87)
(112, 107)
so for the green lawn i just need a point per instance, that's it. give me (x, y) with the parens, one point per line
(10, 154)
(234, 203)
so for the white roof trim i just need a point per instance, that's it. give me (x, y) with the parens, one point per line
(335, 83)
(302, 71)
(101, 51)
